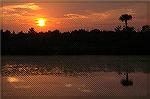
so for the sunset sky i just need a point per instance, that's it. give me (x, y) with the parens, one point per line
(68, 15)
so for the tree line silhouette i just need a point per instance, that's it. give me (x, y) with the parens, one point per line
(123, 40)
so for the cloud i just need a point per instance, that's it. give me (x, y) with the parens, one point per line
(97, 15)
(31, 6)
(122, 11)
(75, 16)
(22, 9)
(110, 15)
(40, 1)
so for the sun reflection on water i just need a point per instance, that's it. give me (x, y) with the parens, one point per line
(12, 79)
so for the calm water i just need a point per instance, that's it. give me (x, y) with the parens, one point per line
(75, 76)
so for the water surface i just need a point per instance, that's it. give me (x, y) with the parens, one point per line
(88, 75)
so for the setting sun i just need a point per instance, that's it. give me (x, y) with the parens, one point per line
(41, 22)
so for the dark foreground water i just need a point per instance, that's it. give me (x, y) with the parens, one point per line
(89, 75)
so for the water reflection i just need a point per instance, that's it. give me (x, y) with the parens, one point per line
(68, 85)
(29, 69)
(12, 79)
(127, 81)
(36, 69)
(75, 75)
(83, 88)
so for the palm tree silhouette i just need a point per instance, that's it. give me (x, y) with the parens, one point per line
(125, 18)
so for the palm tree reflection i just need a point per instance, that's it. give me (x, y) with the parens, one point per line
(127, 81)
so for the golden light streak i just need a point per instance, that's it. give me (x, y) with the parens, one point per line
(12, 79)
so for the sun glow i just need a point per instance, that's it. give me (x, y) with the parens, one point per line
(12, 79)
(41, 22)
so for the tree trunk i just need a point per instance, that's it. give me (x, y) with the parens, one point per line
(127, 79)
(126, 24)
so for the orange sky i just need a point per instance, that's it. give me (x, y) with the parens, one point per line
(70, 16)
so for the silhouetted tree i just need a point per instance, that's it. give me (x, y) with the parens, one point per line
(32, 31)
(13, 32)
(7, 32)
(95, 31)
(125, 18)
(76, 42)
(21, 32)
(129, 29)
(118, 28)
(146, 28)
(1, 30)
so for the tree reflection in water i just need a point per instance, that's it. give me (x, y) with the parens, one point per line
(127, 81)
